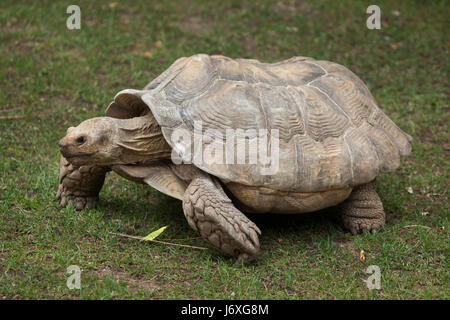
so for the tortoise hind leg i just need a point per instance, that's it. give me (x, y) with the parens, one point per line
(210, 212)
(363, 209)
(79, 186)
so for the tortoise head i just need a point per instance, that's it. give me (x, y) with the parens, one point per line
(107, 141)
(91, 142)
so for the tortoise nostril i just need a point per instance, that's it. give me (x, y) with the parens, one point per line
(61, 144)
(80, 140)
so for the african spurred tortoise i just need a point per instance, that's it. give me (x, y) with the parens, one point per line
(331, 138)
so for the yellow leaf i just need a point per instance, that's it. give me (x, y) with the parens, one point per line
(148, 54)
(154, 234)
(362, 256)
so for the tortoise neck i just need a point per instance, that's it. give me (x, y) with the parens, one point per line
(141, 140)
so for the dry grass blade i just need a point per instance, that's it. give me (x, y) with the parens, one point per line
(417, 225)
(10, 110)
(158, 241)
(182, 239)
(12, 117)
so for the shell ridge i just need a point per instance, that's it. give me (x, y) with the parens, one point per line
(319, 66)
(351, 158)
(329, 98)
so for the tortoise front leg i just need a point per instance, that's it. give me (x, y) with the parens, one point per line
(209, 211)
(79, 186)
(363, 209)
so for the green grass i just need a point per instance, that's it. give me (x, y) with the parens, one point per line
(57, 78)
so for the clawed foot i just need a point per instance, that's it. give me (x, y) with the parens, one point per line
(358, 225)
(363, 210)
(79, 186)
(65, 198)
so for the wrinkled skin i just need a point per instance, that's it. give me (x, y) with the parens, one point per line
(80, 186)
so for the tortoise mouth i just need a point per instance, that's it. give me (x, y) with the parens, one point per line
(79, 158)
(76, 155)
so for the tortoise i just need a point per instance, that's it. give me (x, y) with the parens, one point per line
(332, 142)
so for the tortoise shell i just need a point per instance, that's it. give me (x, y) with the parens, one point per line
(331, 133)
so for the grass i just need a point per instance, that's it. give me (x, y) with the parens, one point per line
(52, 78)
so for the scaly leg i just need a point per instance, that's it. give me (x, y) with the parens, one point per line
(79, 186)
(209, 211)
(363, 209)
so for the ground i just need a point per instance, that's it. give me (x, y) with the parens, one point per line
(52, 78)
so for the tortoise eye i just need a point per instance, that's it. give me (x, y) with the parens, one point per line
(80, 140)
